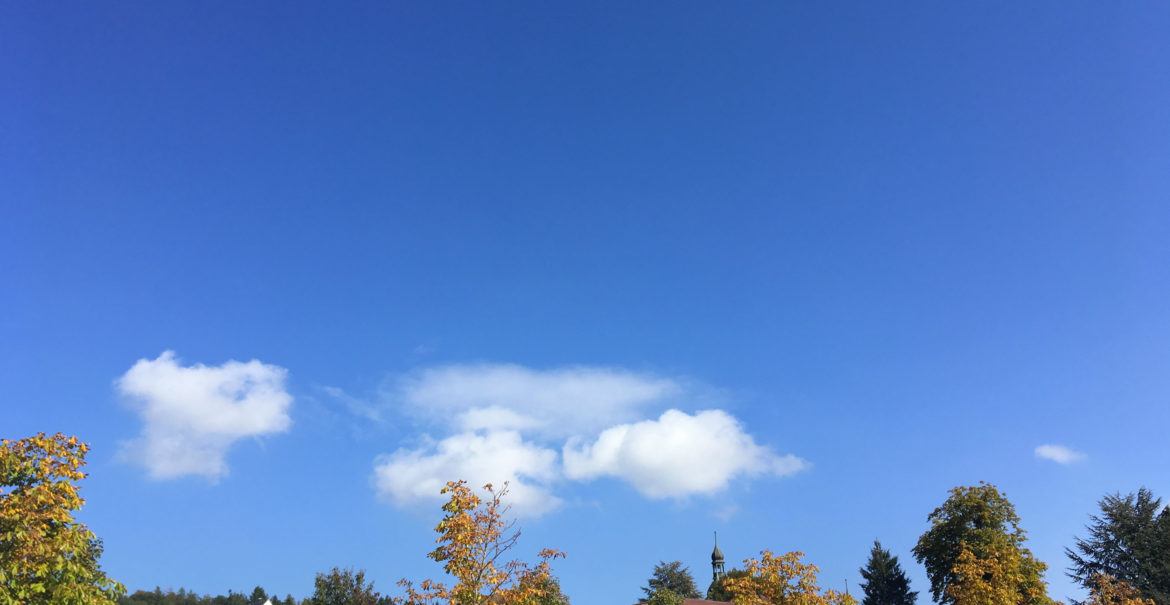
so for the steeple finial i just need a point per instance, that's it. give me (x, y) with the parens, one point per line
(717, 569)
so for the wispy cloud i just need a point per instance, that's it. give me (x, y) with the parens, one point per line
(726, 513)
(1059, 454)
(556, 402)
(364, 410)
(193, 414)
(677, 455)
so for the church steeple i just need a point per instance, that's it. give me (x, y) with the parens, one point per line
(717, 570)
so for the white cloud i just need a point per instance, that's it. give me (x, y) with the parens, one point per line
(192, 415)
(538, 428)
(558, 402)
(409, 476)
(676, 455)
(1059, 454)
(494, 418)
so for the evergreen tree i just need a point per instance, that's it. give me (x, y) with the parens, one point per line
(885, 582)
(673, 577)
(1129, 541)
(258, 595)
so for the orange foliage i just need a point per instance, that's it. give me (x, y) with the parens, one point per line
(782, 580)
(1108, 590)
(472, 541)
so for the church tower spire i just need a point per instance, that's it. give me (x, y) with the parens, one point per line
(717, 570)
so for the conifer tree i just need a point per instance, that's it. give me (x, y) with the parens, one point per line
(1128, 542)
(885, 581)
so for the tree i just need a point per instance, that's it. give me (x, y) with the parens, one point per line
(665, 596)
(782, 580)
(258, 595)
(1108, 590)
(993, 576)
(673, 577)
(473, 539)
(549, 591)
(885, 582)
(717, 591)
(1129, 542)
(45, 555)
(974, 553)
(343, 587)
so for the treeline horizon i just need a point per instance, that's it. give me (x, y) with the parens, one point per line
(1125, 559)
(973, 552)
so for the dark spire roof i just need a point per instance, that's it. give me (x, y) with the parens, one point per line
(716, 555)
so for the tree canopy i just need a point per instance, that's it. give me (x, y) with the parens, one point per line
(1128, 542)
(473, 539)
(344, 587)
(46, 556)
(1107, 590)
(665, 596)
(717, 591)
(673, 577)
(885, 581)
(974, 553)
(782, 580)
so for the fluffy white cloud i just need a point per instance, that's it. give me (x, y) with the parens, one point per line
(537, 428)
(558, 402)
(676, 455)
(1059, 454)
(408, 476)
(191, 415)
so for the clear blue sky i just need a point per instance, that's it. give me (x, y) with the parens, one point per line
(865, 253)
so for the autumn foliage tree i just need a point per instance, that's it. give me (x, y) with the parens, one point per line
(473, 540)
(781, 580)
(974, 552)
(46, 556)
(1107, 590)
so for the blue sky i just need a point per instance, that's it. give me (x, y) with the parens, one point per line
(787, 271)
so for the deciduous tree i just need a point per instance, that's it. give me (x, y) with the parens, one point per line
(974, 553)
(665, 596)
(343, 587)
(1108, 590)
(782, 580)
(473, 539)
(717, 591)
(885, 581)
(46, 556)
